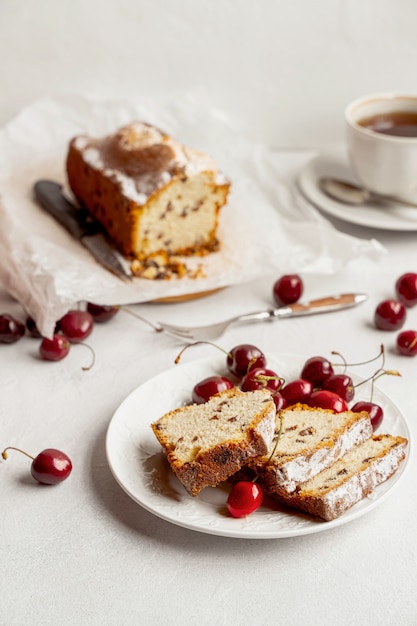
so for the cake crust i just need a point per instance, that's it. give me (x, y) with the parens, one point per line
(352, 478)
(205, 444)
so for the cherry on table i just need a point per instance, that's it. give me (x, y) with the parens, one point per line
(324, 399)
(11, 329)
(245, 497)
(49, 467)
(375, 412)
(102, 313)
(54, 349)
(406, 289)
(208, 387)
(407, 342)
(390, 315)
(288, 289)
(76, 325)
(317, 369)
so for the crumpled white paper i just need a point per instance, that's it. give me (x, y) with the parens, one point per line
(265, 228)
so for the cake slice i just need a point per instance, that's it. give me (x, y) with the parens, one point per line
(310, 440)
(353, 477)
(153, 195)
(207, 443)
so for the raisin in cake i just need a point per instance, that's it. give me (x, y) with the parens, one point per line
(207, 443)
(152, 194)
(310, 440)
(353, 477)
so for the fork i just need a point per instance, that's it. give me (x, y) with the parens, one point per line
(212, 331)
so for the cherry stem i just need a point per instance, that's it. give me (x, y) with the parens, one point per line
(158, 329)
(195, 343)
(93, 360)
(4, 453)
(274, 449)
(345, 364)
(263, 378)
(380, 372)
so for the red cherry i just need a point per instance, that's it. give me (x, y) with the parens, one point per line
(298, 390)
(32, 328)
(244, 498)
(324, 399)
(342, 384)
(206, 388)
(407, 342)
(389, 315)
(280, 401)
(11, 329)
(76, 325)
(374, 410)
(243, 358)
(288, 289)
(49, 467)
(54, 349)
(406, 289)
(317, 370)
(102, 312)
(261, 378)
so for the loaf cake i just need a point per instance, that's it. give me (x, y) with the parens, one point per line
(350, 479)
(154, 196)
(310, 440)
(207, 443)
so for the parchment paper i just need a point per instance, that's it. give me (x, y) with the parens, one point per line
(264, 229)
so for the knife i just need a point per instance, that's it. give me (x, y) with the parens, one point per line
(320, 305)
(80, 224)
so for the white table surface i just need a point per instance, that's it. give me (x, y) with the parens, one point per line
(84, 553)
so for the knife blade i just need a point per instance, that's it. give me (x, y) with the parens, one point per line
(80, 224)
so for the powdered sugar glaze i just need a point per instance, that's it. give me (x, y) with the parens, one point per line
(141, 159)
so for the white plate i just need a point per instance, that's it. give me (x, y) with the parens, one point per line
(387, 216)
(139, 466)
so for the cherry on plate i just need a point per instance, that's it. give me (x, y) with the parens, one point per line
(298, 390)
(279, 400)
(407, 342)
(243, 358)
(245, 497)
(406, 289)
(341, 384)
(261, 378)
(288, 289)
(11, 329)
(375, 412)
(324, 399)
(317, 369)
(389, 315)
(76, 325)
(208, 387)
(49, 467)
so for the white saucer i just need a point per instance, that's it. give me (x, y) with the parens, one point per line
(386, 216)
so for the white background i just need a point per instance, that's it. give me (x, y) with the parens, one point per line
(84, 553)
(284, 69)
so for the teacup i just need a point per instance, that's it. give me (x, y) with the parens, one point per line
(381, 133)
